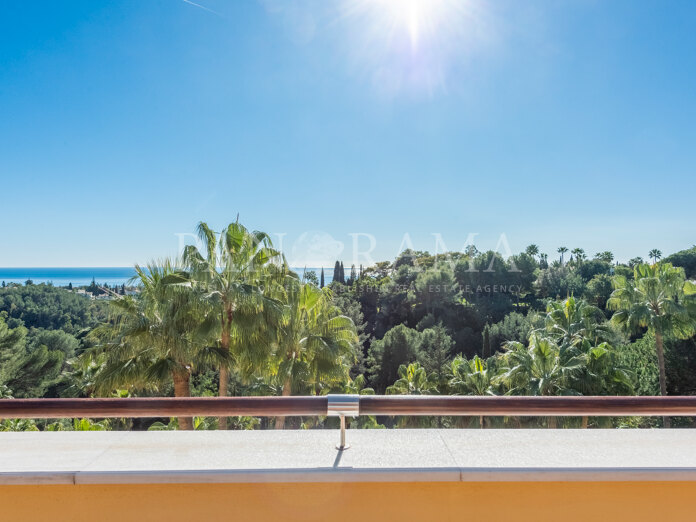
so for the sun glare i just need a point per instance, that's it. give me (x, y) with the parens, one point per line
(411, 47)
(418, 18)
(414, 45)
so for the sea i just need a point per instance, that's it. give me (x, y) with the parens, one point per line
(83, 276)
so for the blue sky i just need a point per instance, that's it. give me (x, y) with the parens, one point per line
(123, 124)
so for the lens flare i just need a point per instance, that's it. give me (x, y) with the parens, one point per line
(414, 44)
(399, 46)
(416, 17)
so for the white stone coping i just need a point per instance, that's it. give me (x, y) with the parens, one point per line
(374, 456)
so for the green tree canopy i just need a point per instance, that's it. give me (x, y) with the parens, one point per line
(660, 300)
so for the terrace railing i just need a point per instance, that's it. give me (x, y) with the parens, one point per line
(349, 405)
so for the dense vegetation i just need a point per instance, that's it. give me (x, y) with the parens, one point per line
(232, 319)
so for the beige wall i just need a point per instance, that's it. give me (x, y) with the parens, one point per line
(357, 502)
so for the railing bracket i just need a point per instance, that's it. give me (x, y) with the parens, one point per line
(340, 406)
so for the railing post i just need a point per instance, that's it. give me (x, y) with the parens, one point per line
(340, 406)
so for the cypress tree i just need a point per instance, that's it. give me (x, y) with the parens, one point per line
(342, 274)
(321, 280)
(337, 272)
(486, 351)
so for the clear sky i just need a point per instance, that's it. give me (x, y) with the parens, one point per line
(123, 124)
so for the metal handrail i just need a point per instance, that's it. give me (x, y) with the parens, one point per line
(366, 405)
(348, 405)
(163, 407)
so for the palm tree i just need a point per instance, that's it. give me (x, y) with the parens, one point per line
(358, 386)
(571, 321)
(655, 254)
(472, 377)
(413, 380)
(635, 261)
(237, 274)
(156, 338)
(562, 250)
(315, 342)
(605, 256)
(540, 369)
(603, 374)
(532, 250)
(659, 299)
(579, 254)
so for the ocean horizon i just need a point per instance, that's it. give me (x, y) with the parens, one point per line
(83, 276)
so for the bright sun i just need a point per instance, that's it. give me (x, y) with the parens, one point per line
(420, 19)
(414, 44)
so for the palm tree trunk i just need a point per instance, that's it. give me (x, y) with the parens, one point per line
(287, 391)
(182, 388)
(224, 379)
(482, 421)
(224, 371)
(585, 421)
(663, 376)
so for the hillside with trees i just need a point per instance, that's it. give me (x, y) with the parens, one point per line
(231, 318)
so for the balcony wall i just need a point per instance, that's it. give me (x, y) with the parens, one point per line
(386, 474)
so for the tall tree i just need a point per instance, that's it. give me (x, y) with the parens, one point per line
(400, 346)
(157, 338)
(657, 298)
(435, 353)
(486, 350)
(605, 256)
(321, 280)
(237, 273)
(571, 321)
(532, 250)
(579, 254)
(562, 250)
(337, 272)
(655, 254)
(315, 343)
